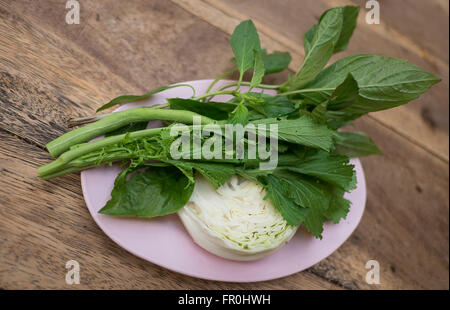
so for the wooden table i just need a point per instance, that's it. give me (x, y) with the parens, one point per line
(50, 71)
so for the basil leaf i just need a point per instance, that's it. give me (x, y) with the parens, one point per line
(350, 15)
(320, 49)
(276, 61)
(346, 94)
(308, 37)
(383, 82)
(131, 98)
(214, 110)
(258, 70)
(244, 41)
(153, 192)
(354, 144)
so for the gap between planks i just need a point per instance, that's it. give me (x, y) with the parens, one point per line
(224, 17)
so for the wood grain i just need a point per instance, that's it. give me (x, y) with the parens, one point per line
(50, 71)
(282, 24)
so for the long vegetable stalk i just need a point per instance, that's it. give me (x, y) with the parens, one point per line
(115, 121)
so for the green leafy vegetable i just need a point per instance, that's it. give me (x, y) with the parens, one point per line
(258, 70)
(303, 131)
(383, 82)
(320, 48)
(216, 173)
(239, 115)
(354, 144)
(244, 41)
(334, 169)
(276, 61)
(154, 192)
(350, 15)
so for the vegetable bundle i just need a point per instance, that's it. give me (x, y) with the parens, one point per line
(313, 172)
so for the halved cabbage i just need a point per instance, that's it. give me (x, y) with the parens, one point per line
(234, 221)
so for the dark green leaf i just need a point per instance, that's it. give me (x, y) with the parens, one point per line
(345, 95)
(350, 15)
(258, 70)
(276, 61)
(128, 128)
(154, 192)
(383, 82)
(354, 144)
(320, 49)
(214, 110)
(244, 41)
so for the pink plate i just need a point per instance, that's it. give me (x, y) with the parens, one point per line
(165, 242)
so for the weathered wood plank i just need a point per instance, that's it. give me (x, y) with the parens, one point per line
(282, 25)
(424, 22)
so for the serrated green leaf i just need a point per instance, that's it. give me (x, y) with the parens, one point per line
(339, 206)
(334, 169)
(216, 173)
(303, 131)
(239, 116)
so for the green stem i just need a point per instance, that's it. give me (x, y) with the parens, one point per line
(220, 77)
(118, 120)
(82, 149)
(305, 91)
(72, 161)
(215, 93)
(265, 86)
